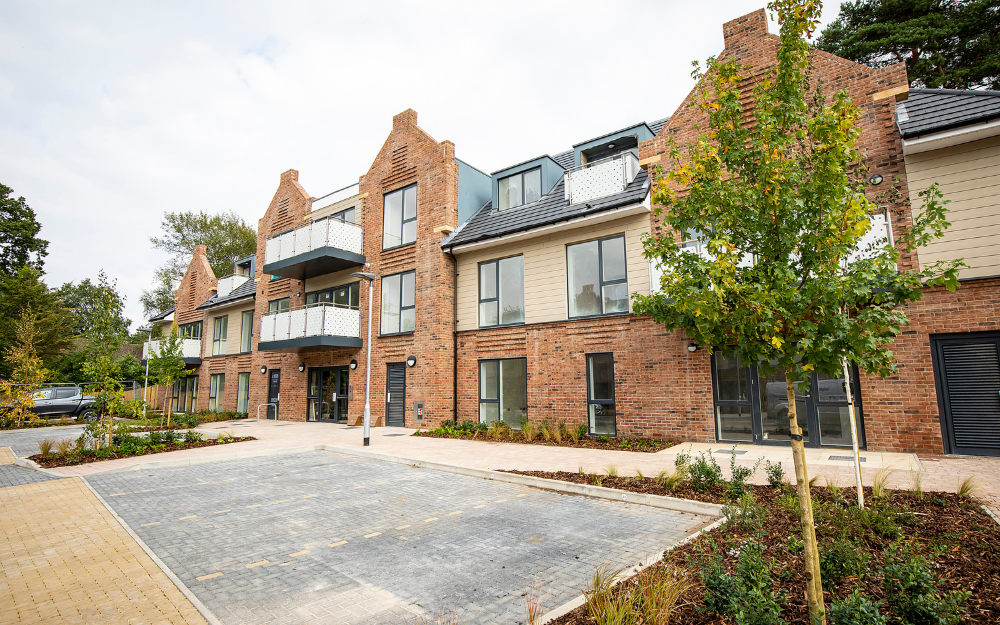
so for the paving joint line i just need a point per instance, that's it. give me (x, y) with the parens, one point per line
(198, 605)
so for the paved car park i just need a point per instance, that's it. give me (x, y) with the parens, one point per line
(325, 537)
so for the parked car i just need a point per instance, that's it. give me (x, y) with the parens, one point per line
(64, 401)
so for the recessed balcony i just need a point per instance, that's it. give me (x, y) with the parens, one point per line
(315, 326)
(601, 178)
(190, 350)
(316, 249)
(227, 285)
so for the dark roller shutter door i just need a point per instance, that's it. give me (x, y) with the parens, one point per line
(969, 382)
(395, 386)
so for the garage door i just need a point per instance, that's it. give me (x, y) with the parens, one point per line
(967, 372)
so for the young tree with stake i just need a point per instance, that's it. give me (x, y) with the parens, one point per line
(777, 194)
(166, 365)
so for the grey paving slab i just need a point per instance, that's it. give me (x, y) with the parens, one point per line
(406, 542)
(13, 475)
(24, 443)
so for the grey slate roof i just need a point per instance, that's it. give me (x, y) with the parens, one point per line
(163, 314)
(566, 160)
(927, 111)
(243, 291)
(658, 125)
(552, 208)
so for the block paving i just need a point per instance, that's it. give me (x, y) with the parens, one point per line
(324, 537)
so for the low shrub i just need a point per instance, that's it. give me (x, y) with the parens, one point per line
(855, 609)
(747, 597)
(840, 559)
(704, 472)
(746, 512)
(739, 475)
(192, 437)
(775, 474)
(582, 430)
(912, 590)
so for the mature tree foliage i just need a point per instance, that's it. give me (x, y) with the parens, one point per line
(781, 205)
(27, 371)
(226, 235)
(25, 290)
(19, 243)
(83, 300)
(954, 44)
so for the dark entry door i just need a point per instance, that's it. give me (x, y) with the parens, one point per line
(967, 373)
(395, 395)
(329, 388)
(273, 393)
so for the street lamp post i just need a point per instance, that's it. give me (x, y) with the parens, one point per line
(145, 381)
(370, 277)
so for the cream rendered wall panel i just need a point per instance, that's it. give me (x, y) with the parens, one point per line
(353, 201)
(545, 269)
(236, 328)
(969, 176)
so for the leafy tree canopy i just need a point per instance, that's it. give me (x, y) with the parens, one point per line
(226, 235)
(19, 243)
(953, 44)
(83, 300)
(25, 290)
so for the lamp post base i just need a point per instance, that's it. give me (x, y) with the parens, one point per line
(366, 441)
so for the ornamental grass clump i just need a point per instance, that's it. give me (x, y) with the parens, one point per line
(45, 447)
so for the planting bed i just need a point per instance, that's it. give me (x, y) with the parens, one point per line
(70, 459)
(959, 542)
(544, 434)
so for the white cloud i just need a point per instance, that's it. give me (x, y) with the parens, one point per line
(111, 114)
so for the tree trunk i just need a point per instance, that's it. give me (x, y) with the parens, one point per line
(810, 550)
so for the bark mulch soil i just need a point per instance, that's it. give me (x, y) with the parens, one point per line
(650, 445)
(68, 460)
(968, 538)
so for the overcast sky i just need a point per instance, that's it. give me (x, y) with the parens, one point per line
(113, 112)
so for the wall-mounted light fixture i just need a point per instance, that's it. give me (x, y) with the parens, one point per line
(263, 369)
(411, 360)
(692, 347)
(354, 364)
(876, 179)
(302, 366)
(298, 294)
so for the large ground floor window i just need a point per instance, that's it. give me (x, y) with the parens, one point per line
(185, 397)
(216, 392)
(601, 412)
(243, 394)
(503, 391)
(751, 406)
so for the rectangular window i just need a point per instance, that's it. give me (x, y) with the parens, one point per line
(601, 394)
(216, 388)
(243, 394)
(503, 391)
(246, 331)
(346, 296)
(277, 305)
(398, 303)
(185, 396)
(399, 218)
(219, 336)
(519, 189)
(346, 215)
(501, 292)
(598, 284)
(189, 330)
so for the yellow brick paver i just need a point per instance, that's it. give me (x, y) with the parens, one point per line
(64, 558)
(6, 455)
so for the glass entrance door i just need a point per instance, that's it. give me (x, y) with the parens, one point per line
(329, 390)
(752, 407)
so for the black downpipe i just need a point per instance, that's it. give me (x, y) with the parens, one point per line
(454, 334)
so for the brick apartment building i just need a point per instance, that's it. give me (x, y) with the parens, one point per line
(506, 296)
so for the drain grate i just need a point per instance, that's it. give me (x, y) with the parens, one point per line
(847, 458)
(729, 452)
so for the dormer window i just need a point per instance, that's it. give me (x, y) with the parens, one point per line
(521, 188)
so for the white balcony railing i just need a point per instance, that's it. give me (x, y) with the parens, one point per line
(315, 320)
(323, 233)
(601, 178)
(190, 348)
(227, 285)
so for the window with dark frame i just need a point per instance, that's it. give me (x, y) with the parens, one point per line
(219, 335)
(347, 215)
(185, 395)
(597, 277)
(518, 189)
(503, 391)
(243, 393)
(601, 413)
(216, 391)
(246, 332)
(189, 330)
(399, 217)
(501, 292)
(398, 303)
(343, 296)
(277, 305)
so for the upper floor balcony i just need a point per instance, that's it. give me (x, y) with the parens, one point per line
(190, 350)
(227, 285)
(601, 178)
(317, 325)
(320, 247)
